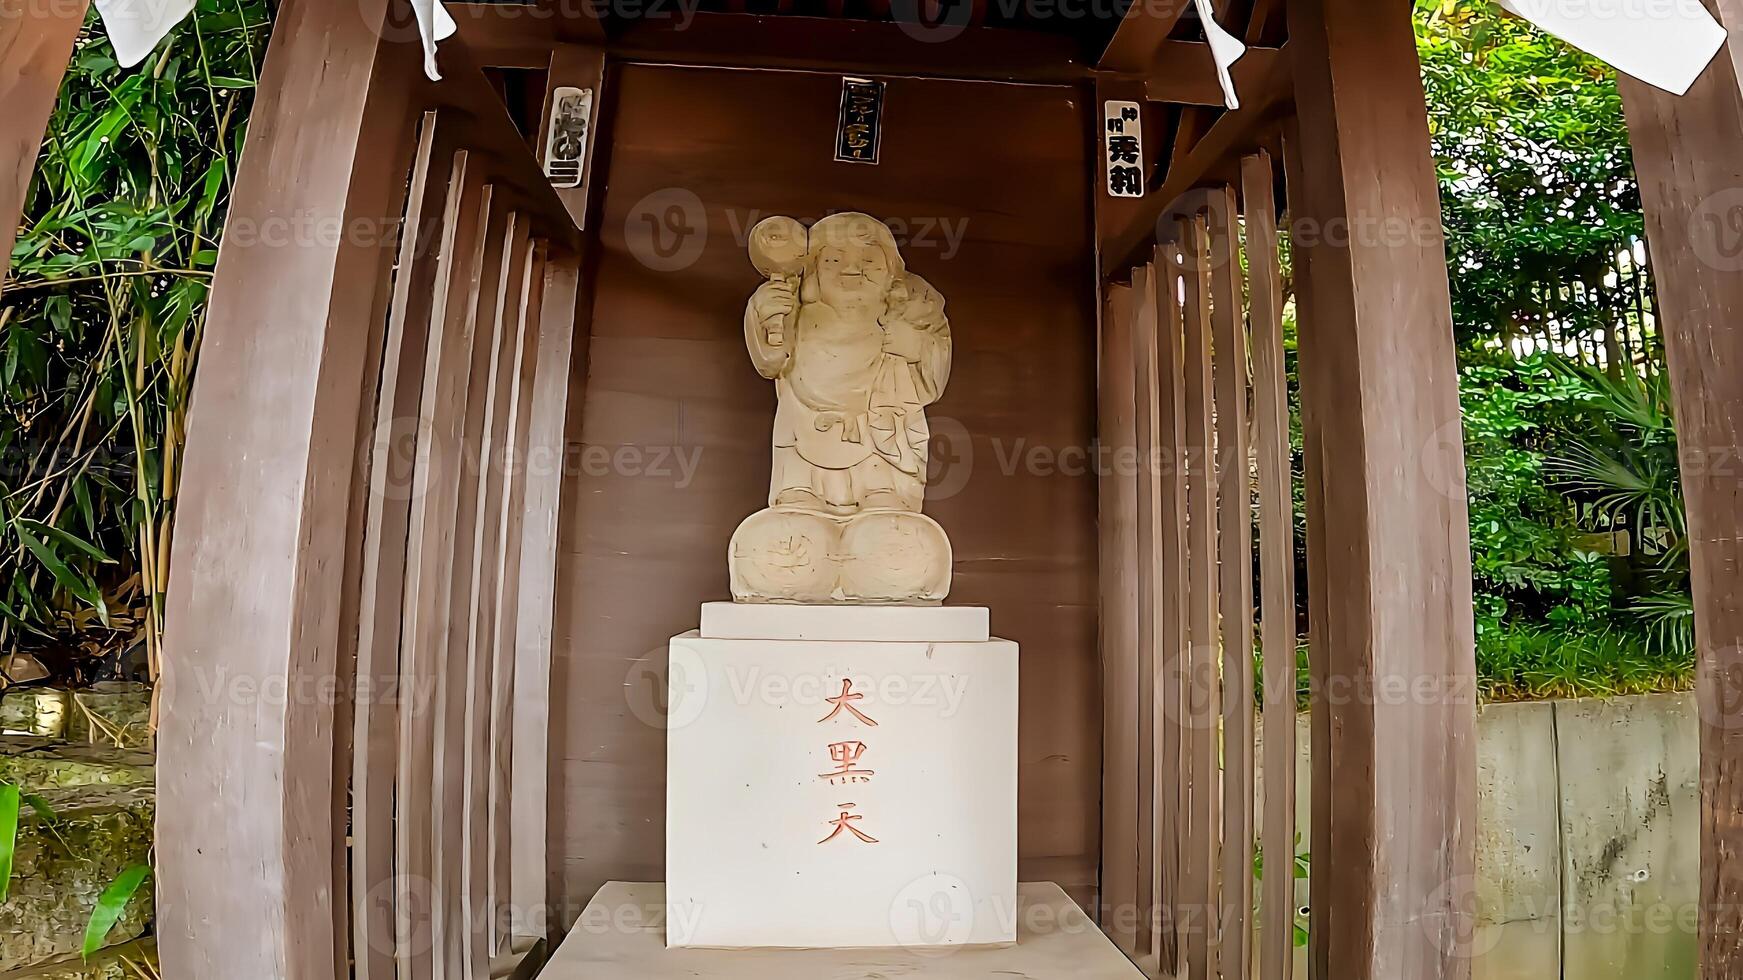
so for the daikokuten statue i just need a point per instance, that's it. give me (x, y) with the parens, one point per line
(857, 347)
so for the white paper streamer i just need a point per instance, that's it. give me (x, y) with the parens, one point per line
(1666, 43)
(1225, 50)
(135, 26)
(434, 24)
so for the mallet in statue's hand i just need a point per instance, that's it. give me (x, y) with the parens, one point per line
(777, 249)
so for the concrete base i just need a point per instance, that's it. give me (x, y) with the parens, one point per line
(620, 937)
(833, 794)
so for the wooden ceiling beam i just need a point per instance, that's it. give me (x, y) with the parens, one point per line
(852, 47)
(1184, 72)
(1213, 156)
(517, 35)
(1139, 37)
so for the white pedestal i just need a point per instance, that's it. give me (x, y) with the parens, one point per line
(841, 793)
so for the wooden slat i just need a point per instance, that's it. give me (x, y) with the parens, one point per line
(1143, 367)
(1136, 43)
(1235, 550)
(1688, 153)
(457, 687)
(499, 381)
(1199, 863)
(1119, 625)
(430, 556)
(507, 600)
(1394, 804)
(1170, 780)
(1277, 568)
(36, 42)
(1232, 133)
(552, 396)
(376, 722)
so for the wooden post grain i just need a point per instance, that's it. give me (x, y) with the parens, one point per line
(1171, 652)
(1688, 153)
(1394, 795)
(36, 42)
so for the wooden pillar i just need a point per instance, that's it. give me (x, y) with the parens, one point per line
(1394, 691)
(36, 42)
(246, 832)
(1688, 153)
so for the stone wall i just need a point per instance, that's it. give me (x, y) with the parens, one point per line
(1587, 838)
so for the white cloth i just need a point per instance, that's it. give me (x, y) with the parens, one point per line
(434, 24)
(136, 26)
(1225, 50)
(1667, 43)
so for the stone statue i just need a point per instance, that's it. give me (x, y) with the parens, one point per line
(857, 347)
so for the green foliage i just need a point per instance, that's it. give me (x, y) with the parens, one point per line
(101, 326)
(111, 905)
(1537, 182)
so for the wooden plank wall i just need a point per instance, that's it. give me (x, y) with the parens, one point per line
(668, 374)
(1179, 609)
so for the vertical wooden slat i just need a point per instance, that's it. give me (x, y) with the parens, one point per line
(458, 681)
(1119, 624)
(1688, 152)
(381, 587)
(1143, 366)
(430, 556)
(1276, 537)
(1397, 815)
(507, 599)
(498, 380)
(36, 43)
(553, 393)
(1235, 550)
(1171, 773)
(1277, 568)
(1199, 863)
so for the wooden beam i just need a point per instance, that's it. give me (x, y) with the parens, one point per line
(852, 47)
(1232, 134)
(246, 835)
(1184, 72)
(1136, 42)
(1394, 802)
(1688, 153)
(36, 42)
(521, 35)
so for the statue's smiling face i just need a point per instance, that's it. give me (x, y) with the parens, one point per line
(853, 276)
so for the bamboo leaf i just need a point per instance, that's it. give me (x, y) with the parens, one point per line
(8, 835)
(110, 906)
